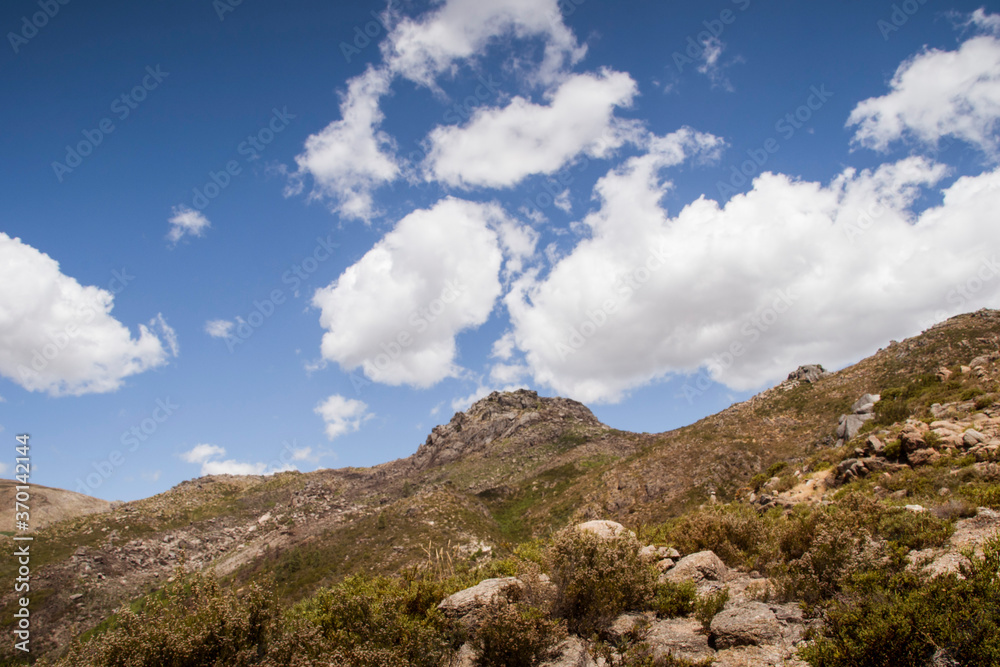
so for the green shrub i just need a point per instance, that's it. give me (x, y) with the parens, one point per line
(193, 621)
(971, 393)
(737, 533)
(597, 579)
(709, 605)
(511, 634)
(893, 449)
(895, 616)
(674, 599)
(376, 621)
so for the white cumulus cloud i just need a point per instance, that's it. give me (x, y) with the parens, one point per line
(397, 311)
(351, 157)
(499, 147)
(186, 221)
(422, 49)
(58, 336)
(342, 416)
(938, 94)
(792, 272)
(210, 457)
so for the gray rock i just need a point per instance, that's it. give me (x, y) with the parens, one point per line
(808, 373)
(749, 624)
(865, 404)
(851, 424)
(699, 567)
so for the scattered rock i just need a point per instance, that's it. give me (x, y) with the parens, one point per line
(923, 456)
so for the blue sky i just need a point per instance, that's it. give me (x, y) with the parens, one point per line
(247, 237)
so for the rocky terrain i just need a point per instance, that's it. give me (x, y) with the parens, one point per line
(917, 425)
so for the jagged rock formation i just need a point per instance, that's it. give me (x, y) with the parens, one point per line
(497, 417)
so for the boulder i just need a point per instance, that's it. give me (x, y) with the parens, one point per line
(865, 404)
(850, 425)
(465, 602)
(602, 528)
(972, 437)
(572, 652)
(749, 624)
(699, 567)
(923, 456)
(912, 439)
(680, 638)
(809, 373)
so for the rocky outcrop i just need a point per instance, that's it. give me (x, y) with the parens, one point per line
(498, 416)
(862, 410)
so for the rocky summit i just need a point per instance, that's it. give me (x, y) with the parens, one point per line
(761, 535)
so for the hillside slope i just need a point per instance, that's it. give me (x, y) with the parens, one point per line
(512, 467)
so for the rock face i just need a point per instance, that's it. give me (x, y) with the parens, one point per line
(679, 638)
(749, 624)
(498, 416)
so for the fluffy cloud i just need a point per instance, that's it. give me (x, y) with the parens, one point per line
(396, 312)
(499, 147)
(186, 221)
(59, 337)
(350, 157)
(202, 453)
(938, 94)
(791, 272)
(342, 415)
(211, 461)
(219, 328)
(422, 49)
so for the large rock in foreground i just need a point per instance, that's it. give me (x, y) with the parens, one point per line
(749, 624)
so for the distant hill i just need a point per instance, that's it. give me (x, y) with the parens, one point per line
(48, 505)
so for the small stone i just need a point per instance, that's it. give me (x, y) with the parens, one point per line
(944, 491)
